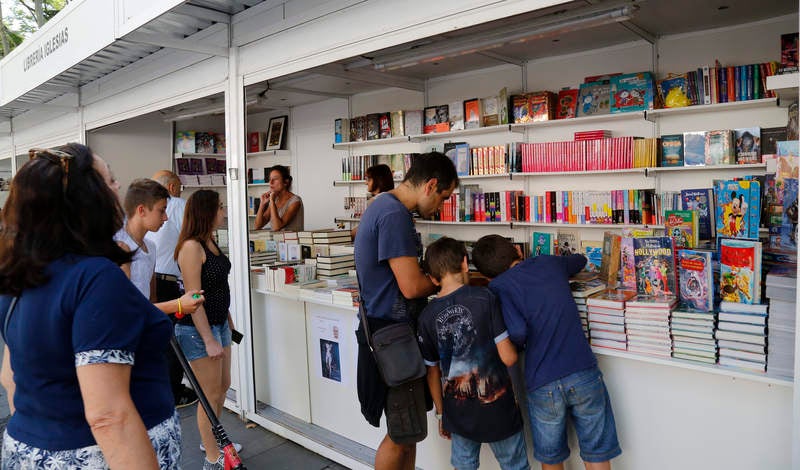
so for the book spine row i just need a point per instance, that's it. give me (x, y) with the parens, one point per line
(711, 85)
(587, 155)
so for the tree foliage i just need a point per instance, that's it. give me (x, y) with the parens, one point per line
(21, 18)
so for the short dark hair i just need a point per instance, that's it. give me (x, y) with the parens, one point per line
(431, 165)
(57, 205)
(382, 176)
(444, 256)
(493, 255)
(145, 192)
(284, 171)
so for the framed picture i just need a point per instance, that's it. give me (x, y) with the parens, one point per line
(276, 133)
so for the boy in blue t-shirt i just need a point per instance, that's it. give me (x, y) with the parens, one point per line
(465, 345)
(561, 371)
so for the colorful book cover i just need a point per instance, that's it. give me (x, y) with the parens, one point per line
(632, 92)
(627, 263)
(696, 279)
(667, 84)
(541, 105)
(219, 143)
(542, 244)
(569, 242)
(567, 103)
(204, 142)
(694, 148)
(184, 142)
(736, 203)
(740, 271)
(789, 219)
(594, 98)
(593, 250)
(682, 227)
(701, 201)
(655, 265)
(671, 150)
(472, 113)
(748, 145)
(520, 109)
(719, 148)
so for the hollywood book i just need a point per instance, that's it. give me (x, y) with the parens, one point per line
(701, 201)
(696, 279)
(655, 265)
(740, 271)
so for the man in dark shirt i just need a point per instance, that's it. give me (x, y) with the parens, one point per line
(391, 281)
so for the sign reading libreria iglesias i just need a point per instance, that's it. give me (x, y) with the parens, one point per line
(51, 45)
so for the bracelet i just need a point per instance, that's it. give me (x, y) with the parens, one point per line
(439, 416)
(179, 313)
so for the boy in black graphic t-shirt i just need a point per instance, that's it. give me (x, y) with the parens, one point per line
(467, 350)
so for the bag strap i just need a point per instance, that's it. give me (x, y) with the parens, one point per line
(8, 317)
(362, 312)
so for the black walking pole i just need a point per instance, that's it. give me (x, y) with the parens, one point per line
(232, 460)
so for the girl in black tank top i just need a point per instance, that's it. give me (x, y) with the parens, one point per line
(214, 282)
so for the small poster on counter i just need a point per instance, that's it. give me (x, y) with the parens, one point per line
(327, 331)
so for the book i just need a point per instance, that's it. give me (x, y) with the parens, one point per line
(373, 126)
(219, 144)
(719, 149)
(610, 259)
(737, 206)
(593, 251)
(682, 227)
(701, 201)
(569, 242)
(412, 121)
(738, 307)
(594, 98)
(632, 92)
(520, 109)
(627, 264)
(789, 214)
(770, 136)
(742, 364)
(671, 150)
(472, 113)
(455, 112)
(542, 244)
(541, 105)
(397, 119)
(748, 145)
(582, 289)
(567, 103)
(204, 142)
(655, 265)
(694, 148)
(489, 111)
(502, 105)
(740, 271)
(611, 298)
(185, 141)
(696, 279)
(384, 126)
(255, 142)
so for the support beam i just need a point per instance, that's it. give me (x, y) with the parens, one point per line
(303, 91)
(40, 106)
(179, 44)
(502, 58)
(371, 77)
(203, 13)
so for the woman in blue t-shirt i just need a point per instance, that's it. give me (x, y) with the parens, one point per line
(205, 336)
(89, 385)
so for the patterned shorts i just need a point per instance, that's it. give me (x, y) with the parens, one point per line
(165, 437)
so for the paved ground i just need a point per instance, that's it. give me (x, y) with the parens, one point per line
(262, 449)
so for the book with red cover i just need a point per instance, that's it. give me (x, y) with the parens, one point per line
(567, 103)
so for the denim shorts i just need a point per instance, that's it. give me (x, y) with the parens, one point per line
(192, 343)
(510, 452)
(583, 396)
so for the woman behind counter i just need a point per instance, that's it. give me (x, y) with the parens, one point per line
(279, 207)
(81, 401)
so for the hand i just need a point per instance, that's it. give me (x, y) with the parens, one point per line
(443, 432)
(214, 349)
(265, 198)
(191, 301)
(271, 196)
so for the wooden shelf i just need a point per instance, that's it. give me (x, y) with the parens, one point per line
(785, 86)
(366, 143)
(597, 226)
(710, 108)
(669, 169)
(630, 116)
(700, 367)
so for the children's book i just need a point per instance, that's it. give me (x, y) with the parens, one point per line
(594, 98)
(593, 250)
(627, 264)
(204, 142)
(673, 81)
(701, 202)
(184, 142)
(542, 244)
(789, 215)
(655, 265)
(632, 92)
(694, 148)
(696, 279)
(520, 109)
(740, 271)
(541, 105)
(719, 148)
(738, 208)
(567, 103)
(682, 227)
(610, 259)
(569, 242)
(671, 150)
(748, 145)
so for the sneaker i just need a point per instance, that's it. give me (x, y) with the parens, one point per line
(218, 465)
(236, 446)
(187, 398)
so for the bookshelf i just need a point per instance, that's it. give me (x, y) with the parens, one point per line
(710, 108)
(583, 121)
(200, 155)
(367, 143)
(785, 86)
(499, 129)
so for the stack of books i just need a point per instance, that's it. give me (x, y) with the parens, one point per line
(647, 324)
(346, 296)
(581, 290)
(742, 336)
(782, 292)
(329, 267)
(606, 312)
(693, 335)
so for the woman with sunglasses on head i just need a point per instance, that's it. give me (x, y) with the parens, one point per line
(279, 207)
(89, 386)
(205, 337)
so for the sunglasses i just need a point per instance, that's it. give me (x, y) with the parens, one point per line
(57, 157)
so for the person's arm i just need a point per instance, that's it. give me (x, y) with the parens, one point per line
(189, 304)
(412, 281)
(190, 260)
(7, 379)
(126, 268)
(262, 214)
(508, 352)
(114, 421)
(435, 385)
(279, 222)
